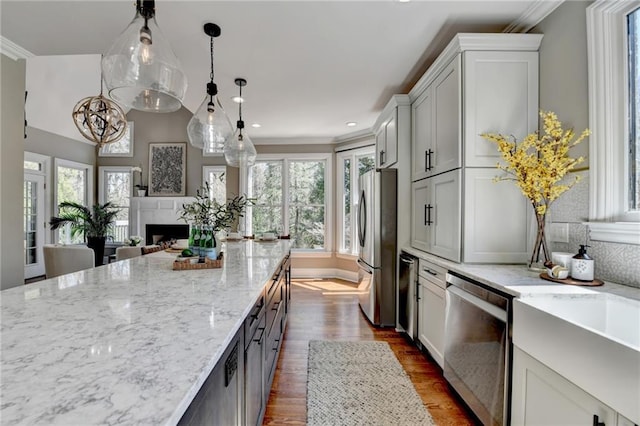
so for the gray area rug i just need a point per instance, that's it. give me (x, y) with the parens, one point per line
(360, 383)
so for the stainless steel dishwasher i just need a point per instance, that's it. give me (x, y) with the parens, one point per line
(477, 352)
(407, 296)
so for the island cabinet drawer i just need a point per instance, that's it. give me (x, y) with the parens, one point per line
(432, 272)
(272, 345)
(273, 306)
(253, 320)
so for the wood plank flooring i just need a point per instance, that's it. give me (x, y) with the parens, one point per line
(328, 310)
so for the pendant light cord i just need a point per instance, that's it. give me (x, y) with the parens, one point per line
(240, 104)
(211, 75)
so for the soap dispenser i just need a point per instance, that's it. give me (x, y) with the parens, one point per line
(582, 265)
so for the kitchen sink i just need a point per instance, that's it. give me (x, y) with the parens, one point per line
(592, 339)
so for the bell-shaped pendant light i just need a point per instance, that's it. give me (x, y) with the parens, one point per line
(140, 69)
(239, 151)
(210, 126)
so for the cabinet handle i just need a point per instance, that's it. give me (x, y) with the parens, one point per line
(259, 339)
(427, 160)
(276, 306)
(429, 221)
(382, 156)
(596, 421)
(429, 271)
(425, 215)
(418, 292)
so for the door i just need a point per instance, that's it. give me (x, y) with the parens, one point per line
(420, 215)
(34, 225)
(422, 148)
(444, 215)
(446, 120)
(366, 218)
(391, 140)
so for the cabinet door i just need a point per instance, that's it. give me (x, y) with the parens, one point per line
(500, 96)
(390, 156)
(253, 376)
(495, 219)
(540, 397)
(381, 137)
(446, 120)
(431, 327)
(444, 213)
(421, 134)
(419, 215)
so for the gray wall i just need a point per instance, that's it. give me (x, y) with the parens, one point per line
(170, 127)
(56, 146)
(564, 90)
(11, 171)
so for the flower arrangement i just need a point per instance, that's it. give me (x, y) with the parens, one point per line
(538, 165)
(140, 186)
(133, 240)
(206, 211)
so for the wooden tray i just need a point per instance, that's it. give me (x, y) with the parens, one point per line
(207, 264)
(571, 281)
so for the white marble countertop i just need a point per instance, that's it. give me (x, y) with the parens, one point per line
(126, 343)
(518, 280)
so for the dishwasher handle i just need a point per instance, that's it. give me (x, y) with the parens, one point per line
(479, 303)
(407, 260)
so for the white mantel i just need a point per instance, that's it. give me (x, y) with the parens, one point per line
(155, 210)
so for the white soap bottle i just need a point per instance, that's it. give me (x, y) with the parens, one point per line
(582, 265)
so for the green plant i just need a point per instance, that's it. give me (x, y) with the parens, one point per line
(206, 211)
(91, 222)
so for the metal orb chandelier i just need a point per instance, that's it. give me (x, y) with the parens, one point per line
(99, 119)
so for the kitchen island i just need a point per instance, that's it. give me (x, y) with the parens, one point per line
(131, 342)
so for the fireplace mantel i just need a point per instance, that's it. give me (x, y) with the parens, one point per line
(155, 210)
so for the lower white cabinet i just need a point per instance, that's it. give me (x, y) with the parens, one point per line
(540, 396)
(431, 313)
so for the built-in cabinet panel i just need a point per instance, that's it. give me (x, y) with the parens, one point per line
(495, 218)
(437, 215)
(446, 121)
(431, 309)
(542, 397)
(500, 96)
(421, 134)
(387, 140)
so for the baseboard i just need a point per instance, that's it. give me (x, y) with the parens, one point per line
(324, 273)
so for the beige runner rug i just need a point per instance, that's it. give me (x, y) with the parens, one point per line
(360, 383)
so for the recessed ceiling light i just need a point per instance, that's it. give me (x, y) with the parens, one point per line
(404, 1)
(256, 125)
(237, 99)
(352, 124)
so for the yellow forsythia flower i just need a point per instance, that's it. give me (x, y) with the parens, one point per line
(538, 164)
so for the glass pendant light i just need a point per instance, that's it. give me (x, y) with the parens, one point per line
(210, 126)
(239, 150)
(140, 69)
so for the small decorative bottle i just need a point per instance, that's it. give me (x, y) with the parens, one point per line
(582, 265)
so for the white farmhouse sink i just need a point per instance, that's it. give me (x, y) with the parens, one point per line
(592, 339)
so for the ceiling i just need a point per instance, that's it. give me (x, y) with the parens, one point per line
(311, 66)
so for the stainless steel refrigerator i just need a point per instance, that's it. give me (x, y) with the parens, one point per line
(377, 240)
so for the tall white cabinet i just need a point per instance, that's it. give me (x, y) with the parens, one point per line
(480, 83)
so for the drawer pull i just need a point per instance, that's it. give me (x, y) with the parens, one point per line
(429, 271)
(259, 339)
(596, 421)
(276, 306)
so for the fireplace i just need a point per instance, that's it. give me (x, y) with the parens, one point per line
(157, 233)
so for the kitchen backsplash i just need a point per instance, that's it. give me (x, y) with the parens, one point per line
(619, 263)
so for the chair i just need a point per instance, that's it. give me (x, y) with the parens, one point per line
(127, 252)
(60, 259)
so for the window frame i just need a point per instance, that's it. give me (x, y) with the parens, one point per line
(353, 155)
(215, 169)
(609, 217)
(328, 197)
(102, 170)
(102, 152)
(88, 189)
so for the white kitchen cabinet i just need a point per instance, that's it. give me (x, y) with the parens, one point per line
(540, 397)
(431, 313)
(436, 215)
(480, 83)
(435, 133)
(390, 130)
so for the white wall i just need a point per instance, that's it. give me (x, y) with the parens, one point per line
(55, 84)
(11, 171)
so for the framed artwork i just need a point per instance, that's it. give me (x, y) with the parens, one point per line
(167, 169)
(121, 148)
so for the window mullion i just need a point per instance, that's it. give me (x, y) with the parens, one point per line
(285, 196)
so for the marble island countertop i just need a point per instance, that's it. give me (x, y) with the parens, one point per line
(126, 343)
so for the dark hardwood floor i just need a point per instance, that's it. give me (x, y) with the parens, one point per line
(328, 310)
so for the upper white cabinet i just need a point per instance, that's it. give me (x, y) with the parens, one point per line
(480, 83)
(390, 131)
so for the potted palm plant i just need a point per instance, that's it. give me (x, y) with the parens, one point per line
(94, 223)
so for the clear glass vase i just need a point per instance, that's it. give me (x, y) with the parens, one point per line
(541, 253)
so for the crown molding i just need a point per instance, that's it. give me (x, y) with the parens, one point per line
(356, 136)
(12, 50)
(293, 141)
(533, 15)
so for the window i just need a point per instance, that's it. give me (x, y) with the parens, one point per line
(612, 40)
(351, 165)
(121, 148)
(291, 197)
(116, 187)
(73, 182)
(216, 176)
